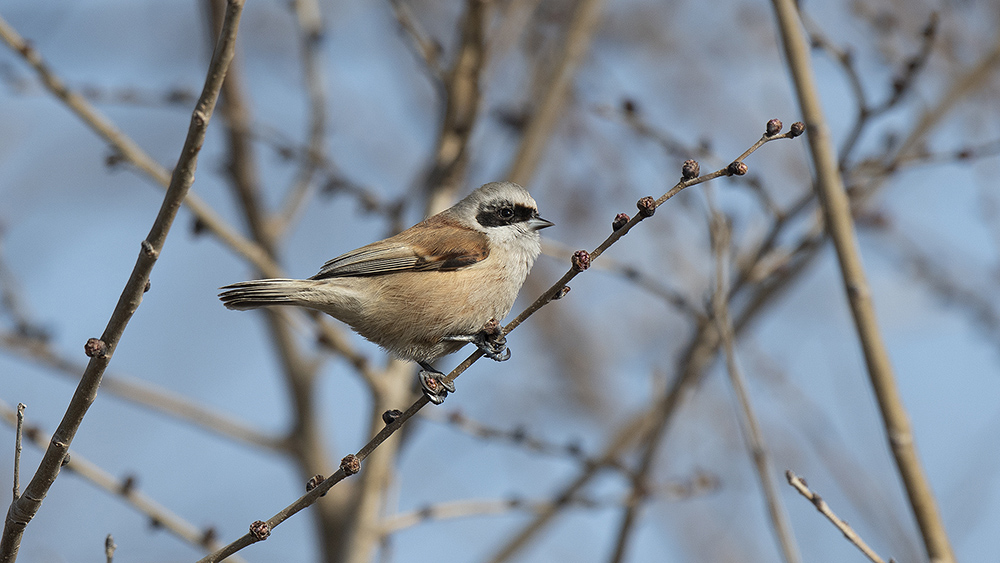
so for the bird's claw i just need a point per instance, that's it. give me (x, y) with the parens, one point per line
(434, 384)
(490, 341)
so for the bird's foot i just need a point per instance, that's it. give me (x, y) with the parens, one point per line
(490, 341)
(434, 384)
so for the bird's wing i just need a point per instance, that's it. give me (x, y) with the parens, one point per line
(438, 243)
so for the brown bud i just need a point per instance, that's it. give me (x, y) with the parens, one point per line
(95, 347)
(350, 464)
(561, 293)
(146, 288)
(65, 460)
(260, 530)
(797, 129)
(390, 416)
(620, 220)
(314, 482)
(647, 206)
(690, 169)
(737, 168)
(209, 536)
(581, 260)
(773, 127)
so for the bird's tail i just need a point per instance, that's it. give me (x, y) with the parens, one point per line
(261, 293)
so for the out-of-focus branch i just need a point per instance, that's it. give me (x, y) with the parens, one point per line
(306, 440)
(800, 485)
(462, 99)
(700, 483)
(428, 49)
(720, 235)
(839, 224)
(630, 272)
(154, 398)
(586, 17)
(521, 438)
(125, 489)
(310, 21)
(130, 151)
(24, 509)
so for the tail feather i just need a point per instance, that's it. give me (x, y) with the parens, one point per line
(260, 293)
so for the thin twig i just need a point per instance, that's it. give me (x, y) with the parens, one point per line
(125, 489)
(24, 509)
(17, 450)
(109, 548)
(800, 485)
(720, 235)
(691, 365)
(840, 225)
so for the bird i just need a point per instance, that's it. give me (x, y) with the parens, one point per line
(426, 292)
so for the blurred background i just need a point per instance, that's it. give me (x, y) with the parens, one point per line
(343, 122)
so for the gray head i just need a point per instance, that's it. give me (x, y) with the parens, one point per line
(500, 206)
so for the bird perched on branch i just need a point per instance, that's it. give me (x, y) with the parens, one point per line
(427, 291)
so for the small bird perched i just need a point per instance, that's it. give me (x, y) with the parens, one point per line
(427, 291)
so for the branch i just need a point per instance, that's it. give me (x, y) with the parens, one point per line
(836, 209)
(824, 509)
(586, 18)
(691, 365)
(124, 489)
(721, 236)
(351, 464)
(462, 102)
(152, 397)
(310, 21)
(24, 509)
(17, 450)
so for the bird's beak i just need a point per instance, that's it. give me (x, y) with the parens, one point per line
(536, 223)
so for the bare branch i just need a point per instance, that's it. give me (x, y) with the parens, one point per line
(839, 223)
(109, 548)
(720, 235)
(800, 485)
(581, 262)
(17, 450)
(23, 510)
(125, 489)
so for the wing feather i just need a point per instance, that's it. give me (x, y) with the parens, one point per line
(438, 243)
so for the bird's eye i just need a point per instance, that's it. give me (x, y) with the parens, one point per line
(506, 212)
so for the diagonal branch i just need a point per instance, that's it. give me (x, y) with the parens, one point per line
(351, 464)
(24, 509)
(124, 488)
(800, 485)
